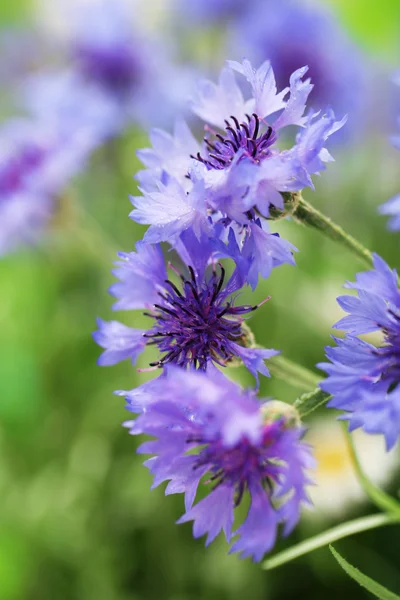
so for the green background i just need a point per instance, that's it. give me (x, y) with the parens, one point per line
(77, 518)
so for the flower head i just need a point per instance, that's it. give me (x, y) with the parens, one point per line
(210, 431)
(234, 178)
(362, 378)
(196, 322)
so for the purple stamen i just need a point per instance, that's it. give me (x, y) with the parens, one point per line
(239, 136)
(196, 324)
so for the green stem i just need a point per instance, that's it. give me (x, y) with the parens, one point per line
(305, 213)
(328, 537)
(307, 403)
(294, 374)
(375, 494)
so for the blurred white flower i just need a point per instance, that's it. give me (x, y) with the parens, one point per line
(336, 485)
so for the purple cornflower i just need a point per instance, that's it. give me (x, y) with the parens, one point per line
(239, 173)
(291, 34)
(210, 431)
(362, 378)
(35, 165)
(392, 206)
(196, 322)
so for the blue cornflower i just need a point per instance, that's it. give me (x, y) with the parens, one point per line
(196, 322)
(392, 206)
(292, 33)
(239, 173)
(210, 431)
(362, 378)
(36, 163)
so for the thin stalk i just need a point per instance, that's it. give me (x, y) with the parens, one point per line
(328, 537)
(293, 373)
(305, 213)
(382, 500)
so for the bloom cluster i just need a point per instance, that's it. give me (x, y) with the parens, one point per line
(210, 202)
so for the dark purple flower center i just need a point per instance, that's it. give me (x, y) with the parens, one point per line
(15, 171)
(196, 324)
(246, 138)
(243, 463)
(115, 68)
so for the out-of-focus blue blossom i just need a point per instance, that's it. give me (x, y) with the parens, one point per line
(196, 321)
(63, 101)
(293, 33)
(210, 431)
(209, 12)
(239, 172)
(36, 162)
(392, 209)
(364, 379)
(392, 206)
(114, 69)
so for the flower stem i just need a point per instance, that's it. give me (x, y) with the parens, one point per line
(294, 374)
(376, 495)
(307, 403)
(308, 215)
(328, 537)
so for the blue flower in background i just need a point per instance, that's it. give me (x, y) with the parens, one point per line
(64, 102)
(292, 34)
(238, 173)
(36, 163)
(210, 431)
(363, 379)
(196, 322)
(392, 206)
(111, 66)
(208, 11)
(107, 51)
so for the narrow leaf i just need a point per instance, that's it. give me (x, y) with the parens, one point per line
(328, 537)
(307, 403)
(366, 582)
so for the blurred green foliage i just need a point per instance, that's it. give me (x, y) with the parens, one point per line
(78, 520)
(374, 24)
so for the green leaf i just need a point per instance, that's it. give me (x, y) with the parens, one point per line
(307, 403)
(327, 537)
(366, 582)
